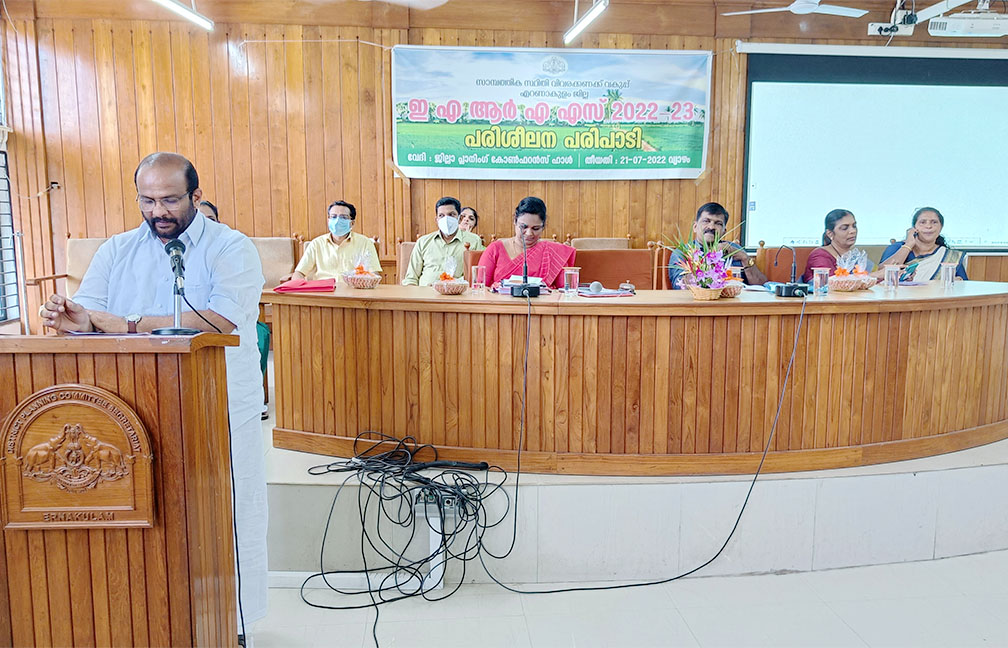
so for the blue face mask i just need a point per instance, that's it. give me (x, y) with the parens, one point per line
(339, 227)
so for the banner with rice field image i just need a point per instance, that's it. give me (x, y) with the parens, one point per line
(549, 114)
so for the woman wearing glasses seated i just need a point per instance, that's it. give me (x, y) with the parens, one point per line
(924, 249)
(546, 259)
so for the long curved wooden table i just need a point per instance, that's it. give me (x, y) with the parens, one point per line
(654, 384)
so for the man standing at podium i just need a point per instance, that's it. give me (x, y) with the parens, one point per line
(128, 288)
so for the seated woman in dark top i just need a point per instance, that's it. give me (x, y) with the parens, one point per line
(924, 249)
(838, 239)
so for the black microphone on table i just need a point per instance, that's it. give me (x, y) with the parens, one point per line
(524, 289)
(792, 288)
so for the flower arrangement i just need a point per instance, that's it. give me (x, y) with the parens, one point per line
(704, 264)
(447, 283)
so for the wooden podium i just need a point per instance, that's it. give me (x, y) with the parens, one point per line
(116, 492)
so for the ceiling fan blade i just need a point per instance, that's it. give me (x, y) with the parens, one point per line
(754, 11)
(834, 10)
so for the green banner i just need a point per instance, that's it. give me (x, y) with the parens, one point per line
(545, 114)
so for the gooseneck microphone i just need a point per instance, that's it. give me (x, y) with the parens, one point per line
(175, 249)
(524, 289)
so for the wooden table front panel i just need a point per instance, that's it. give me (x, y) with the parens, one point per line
(646, 393)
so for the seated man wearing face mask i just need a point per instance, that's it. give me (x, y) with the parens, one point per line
(432, 250)
(338, 251)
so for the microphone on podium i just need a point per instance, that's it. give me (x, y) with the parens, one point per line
(175, 249)
(524, 289)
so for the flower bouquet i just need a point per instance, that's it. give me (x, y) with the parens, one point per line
(706, 268)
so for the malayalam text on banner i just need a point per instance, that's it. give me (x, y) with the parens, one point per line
(548, 114)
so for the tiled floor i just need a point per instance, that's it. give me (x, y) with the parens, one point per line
(951, 602)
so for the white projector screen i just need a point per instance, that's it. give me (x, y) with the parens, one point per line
(881, 150)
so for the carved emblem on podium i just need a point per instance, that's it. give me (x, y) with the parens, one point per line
(76, 456)
(74, 461)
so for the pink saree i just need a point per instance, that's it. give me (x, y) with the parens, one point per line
(546, 260)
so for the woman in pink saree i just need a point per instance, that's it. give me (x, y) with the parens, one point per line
(546, 259)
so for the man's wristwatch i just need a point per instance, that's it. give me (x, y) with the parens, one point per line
(132, 321)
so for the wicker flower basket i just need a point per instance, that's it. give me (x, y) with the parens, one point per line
(454, 287)
(704, 294)
(362, 281)
(731, 289)
(850, 283)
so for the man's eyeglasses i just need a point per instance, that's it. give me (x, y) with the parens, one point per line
(171, 203)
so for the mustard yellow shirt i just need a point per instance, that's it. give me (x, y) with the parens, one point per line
(324, 259)
(427, 261)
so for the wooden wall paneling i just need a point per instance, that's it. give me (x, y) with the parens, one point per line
(604, 385)
(898, 429)
(278, 143)
(162, 82)
(27, 161)
(353, 177)
(333, 111)
(67, 99)
(657, 345)
(7, 403)
(592, 379)
(217, 133)
(183, 111)
(236, 129)
(500, 356)
(117, 90)
(673, 375)
(321, 380)
(519, 428)
(618, 393)
(260, 110)
(293, 91)
(201, 109)
(573, 439)
(690, 388)
(144, 89)
(636, 432)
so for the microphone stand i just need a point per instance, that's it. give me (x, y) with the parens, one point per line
(792, 288)
(524, 289)
(175, 254)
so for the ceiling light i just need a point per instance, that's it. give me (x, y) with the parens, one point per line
(579, 25)
(187, 13)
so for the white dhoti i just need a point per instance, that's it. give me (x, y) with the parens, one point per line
(251, 516)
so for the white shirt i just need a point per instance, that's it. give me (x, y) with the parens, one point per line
(131, 273)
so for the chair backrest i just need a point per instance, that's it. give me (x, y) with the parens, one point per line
(874, 252)
(765, 257)
(600, 243)
(613, 267)
(403, 255)
(278, 255)
(659, 273)
(79, 253)
(471, 258)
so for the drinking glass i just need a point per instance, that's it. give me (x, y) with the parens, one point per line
(948, 273)
(479, 279)
(891, 278)
(572, 276)
(820, 281)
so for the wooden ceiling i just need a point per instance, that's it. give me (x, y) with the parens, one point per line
(670, 17)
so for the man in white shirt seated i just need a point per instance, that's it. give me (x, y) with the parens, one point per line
(339, 250)
(128, 288)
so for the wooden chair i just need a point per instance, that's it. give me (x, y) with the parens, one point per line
(601, 243)
(661, 255)
(79, 253)
(403, 253)
(613, 267)
(471, 258)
